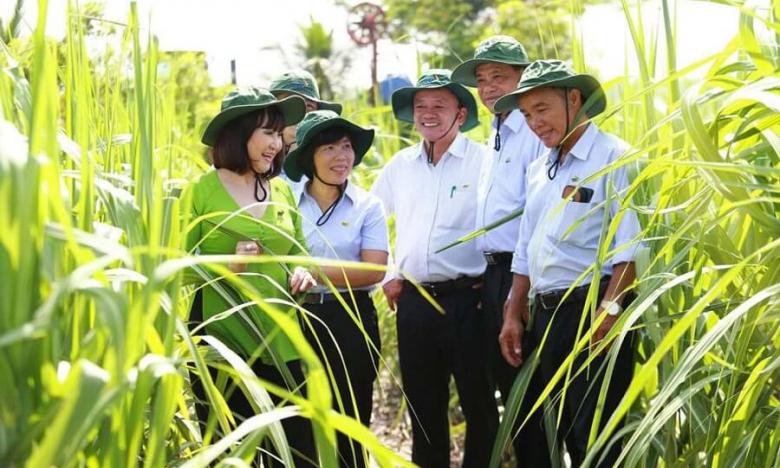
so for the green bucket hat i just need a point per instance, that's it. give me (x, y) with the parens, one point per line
(302, 83)
(300, 161)
(403, 98)
(242, 101)
(495, 49)
(557, 74)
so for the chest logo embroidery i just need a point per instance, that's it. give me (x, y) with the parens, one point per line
(345, 223)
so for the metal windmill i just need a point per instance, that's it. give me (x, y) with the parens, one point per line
(366, 23)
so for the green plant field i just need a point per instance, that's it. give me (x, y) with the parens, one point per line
(95, 353)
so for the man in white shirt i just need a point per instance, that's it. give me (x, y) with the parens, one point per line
(431, 189)
(495, 70)
(575, 254)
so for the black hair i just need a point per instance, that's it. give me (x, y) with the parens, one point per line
(230, 149)
(325, 137)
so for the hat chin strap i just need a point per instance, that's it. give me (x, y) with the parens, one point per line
(552, 171)
(431, 143)
(259, 183)
(341, 188)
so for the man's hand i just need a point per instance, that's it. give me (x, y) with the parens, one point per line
(603, 329)
(392, 290)
(511, 340)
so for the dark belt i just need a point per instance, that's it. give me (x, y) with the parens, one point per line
(554, 299)
(498, 258)
(442, 288)
(324, 298)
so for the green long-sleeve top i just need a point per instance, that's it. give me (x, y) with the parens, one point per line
(279, 233)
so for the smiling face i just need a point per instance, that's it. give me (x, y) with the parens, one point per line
(546, 114)
(435, 110)
(333, 161)
(262, 147)
(495, 80)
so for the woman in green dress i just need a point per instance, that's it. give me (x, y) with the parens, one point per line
(244, 209)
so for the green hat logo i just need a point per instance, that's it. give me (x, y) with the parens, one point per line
(300, 161)
(403, 99)
(557, 74)
(495, 49)
(302, 83)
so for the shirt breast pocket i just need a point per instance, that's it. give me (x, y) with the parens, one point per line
(460, 209)
(578, 224)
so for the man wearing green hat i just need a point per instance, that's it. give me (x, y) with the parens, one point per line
(575, 254)
(302, 84)
(431, 189)
(495, 70)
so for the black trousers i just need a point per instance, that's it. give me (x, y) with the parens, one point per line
(352, 360)
(431, 348)
(530, 444)
(582, 393)
(297, 429)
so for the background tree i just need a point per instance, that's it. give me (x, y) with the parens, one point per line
(455, 28)
(319, 57)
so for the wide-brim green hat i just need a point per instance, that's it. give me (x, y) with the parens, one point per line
(242, 101)
(557, 74)
(495, 49)
(302, 83)
(300, 161)
(403, 99)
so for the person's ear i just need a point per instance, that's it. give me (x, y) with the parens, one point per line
(575, 99)
(462, 114)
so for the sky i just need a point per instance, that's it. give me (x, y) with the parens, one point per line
(254, 31)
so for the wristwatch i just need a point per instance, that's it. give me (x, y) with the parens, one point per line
(611, 308)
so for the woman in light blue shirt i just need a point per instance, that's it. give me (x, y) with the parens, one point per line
(343, 222)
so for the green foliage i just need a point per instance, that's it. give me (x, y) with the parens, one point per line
(455, 28)
(95, 354)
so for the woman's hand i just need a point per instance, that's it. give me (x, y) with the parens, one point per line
(244, 248)
(301, 280)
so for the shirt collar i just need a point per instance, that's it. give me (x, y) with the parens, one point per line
(302, 193)
(514, 121)
(582, 148)
(457, 148)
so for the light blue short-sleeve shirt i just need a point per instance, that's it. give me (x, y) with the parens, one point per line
(357, 223)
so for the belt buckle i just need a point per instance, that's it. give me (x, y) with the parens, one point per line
(489, 258)
(544, 303)
(431, 287)
(318, 298)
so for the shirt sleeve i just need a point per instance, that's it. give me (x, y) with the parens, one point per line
(383, 189)
(373, 234)
(626, 241)
(520, 257)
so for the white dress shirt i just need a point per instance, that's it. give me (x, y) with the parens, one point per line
(357, 223)
(501, 188)
(434, 206)
(559, 240)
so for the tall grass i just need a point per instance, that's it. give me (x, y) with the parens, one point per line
(95, 355)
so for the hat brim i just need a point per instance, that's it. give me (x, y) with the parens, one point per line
(466, 72)
(293, 109)
(594, 101)
(321, 105)
(295, 165)
(402, 101)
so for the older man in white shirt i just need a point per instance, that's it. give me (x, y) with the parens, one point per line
(431, 189)
(576, 248)
(495, 70)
